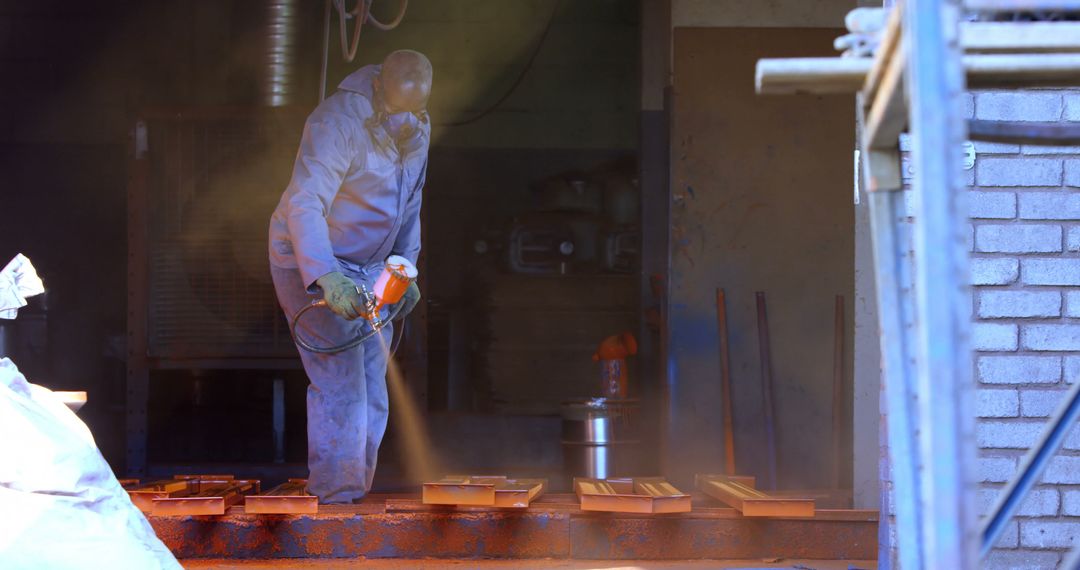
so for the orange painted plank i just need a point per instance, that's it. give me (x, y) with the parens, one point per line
(644, 495)
(289, 498)
(143, 495)
(483, 491)
(751, 502)
(209, 498)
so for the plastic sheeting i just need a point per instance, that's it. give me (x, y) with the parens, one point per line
(60, 504)
(18, 280)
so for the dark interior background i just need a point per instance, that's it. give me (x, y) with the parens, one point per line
(503, 348)
(494, 351)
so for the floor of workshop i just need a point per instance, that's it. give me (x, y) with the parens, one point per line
(536, 564)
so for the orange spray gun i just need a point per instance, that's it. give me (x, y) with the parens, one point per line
(612, 353)
(397, 275)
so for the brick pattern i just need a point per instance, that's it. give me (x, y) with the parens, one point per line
(1024, 235)
(1025, 209)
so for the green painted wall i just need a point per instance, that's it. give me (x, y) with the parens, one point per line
(581, 91)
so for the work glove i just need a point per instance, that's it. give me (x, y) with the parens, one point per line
(341, 295)
(408, 301)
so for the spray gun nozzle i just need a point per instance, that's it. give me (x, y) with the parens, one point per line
(371, 307)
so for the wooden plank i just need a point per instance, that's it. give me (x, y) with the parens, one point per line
(204, 477)
(486, 491)
(833, 75)
(1021, 5)
(290, 498)
(1023, 70)
(74, 400)
(812, 75)
(460, 490)
(666, 498)
(210, 498)
(644, 495)
(886, 117)
(518, 493)
(143, 495)
(1027, 37)
(890, 42)
(751, 502)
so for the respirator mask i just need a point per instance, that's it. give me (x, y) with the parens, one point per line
(401, 128)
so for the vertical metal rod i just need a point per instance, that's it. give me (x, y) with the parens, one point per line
(279, 420)
(838, 392)
(325, 52)
(766, 386)
(935, 85)
(1031, 469)
(725, 384)
(138, 284)
(895, 311)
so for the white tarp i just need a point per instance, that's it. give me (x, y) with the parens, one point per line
(61, 507)
(18, 280)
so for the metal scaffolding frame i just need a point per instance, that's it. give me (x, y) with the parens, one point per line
(916, 82)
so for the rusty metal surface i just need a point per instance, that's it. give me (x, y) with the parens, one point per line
(345, 535)
(689, 537)
(413, 564)
(552, 528)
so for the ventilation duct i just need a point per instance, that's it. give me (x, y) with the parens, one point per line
(279, 58)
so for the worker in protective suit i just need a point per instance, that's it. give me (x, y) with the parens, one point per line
(353, 200)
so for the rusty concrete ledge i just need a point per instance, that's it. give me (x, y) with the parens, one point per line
(398, 535)
(397, 528)
(621, 538)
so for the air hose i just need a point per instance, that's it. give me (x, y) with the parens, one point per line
(340, 347)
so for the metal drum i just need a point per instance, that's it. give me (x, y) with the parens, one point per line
(599, 437)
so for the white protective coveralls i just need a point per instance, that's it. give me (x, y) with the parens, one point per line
(354, 200)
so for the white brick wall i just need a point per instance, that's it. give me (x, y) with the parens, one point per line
(1022, 560)
(1024, 205)
(998, 304)
(998, 369)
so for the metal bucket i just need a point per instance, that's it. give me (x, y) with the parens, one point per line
(599, 437)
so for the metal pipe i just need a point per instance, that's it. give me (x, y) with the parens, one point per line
(766, 386)
(944, 388)
(1023, 133)
(838, 390)
(278, 409)
(279, 55)
(725, 384)
(325, 52)
(1035, 462)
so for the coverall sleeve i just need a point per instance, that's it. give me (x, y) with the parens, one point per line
(407, 243)
(321, 165)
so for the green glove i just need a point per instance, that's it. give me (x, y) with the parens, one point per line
(341, 296)
(408, 301)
